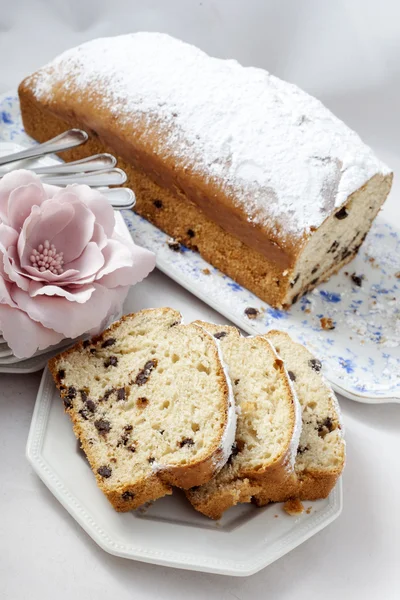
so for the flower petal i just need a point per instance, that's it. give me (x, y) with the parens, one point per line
(12, 268)
(8, 236)
(80, 294)
(69, 318)
(66, 278)
(99, 237)
(98, 205)
(23, 335)
(73, 239)
(89, 262)
(10, 182)
(43, 224)
(5, 292)
(21, 201)
(125, 265)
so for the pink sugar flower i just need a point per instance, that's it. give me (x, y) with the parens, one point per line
(64, 270)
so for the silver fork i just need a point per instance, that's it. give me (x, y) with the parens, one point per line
(64, 141)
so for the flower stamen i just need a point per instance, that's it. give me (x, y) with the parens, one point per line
(46, 258)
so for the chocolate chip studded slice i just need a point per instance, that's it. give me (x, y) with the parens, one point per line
(140, 415)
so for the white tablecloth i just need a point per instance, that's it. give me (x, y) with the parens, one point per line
(346, 53)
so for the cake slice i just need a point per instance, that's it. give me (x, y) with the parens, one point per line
(268, 427)
(321, 452)
(151, 405)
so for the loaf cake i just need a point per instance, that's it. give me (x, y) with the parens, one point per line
(151, 405)
(268, 426)
(258, 176)
(321, 452)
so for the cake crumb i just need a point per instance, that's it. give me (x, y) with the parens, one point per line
(327, 323)
(397, 275)
(293, 507)
(251, 313)
(276, 516)
(308, 510)
(174, 245)
(307, 311)
(357, 279)
(206, 271)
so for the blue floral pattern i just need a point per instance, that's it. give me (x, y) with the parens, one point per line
(361, 355)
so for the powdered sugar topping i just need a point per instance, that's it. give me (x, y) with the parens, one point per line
(278, 153)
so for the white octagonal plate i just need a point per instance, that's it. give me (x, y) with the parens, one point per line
(169, 532)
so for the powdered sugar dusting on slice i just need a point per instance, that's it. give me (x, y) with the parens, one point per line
(278, 153)
(229, 434)
(298, 420)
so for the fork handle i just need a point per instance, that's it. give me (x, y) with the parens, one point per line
(64, 141)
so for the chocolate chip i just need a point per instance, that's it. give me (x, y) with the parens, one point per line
(112, 361)
(108, 393)
(123, 440)
(314, 281)
(220, 334)
(92, 350)
(334, 246)
(128, 427)
(127, 496)
(186, 442)
(302, 449)
(83, 395)
(142, 402)
(341, 214)
(345, 253)
(109, 342)
(104, 472)
(292, 376)
(67, 403)
(144, 374)
(158, 203)
(237, 381)
(325, 427)
(121, 395)
(60, 374)
(84, 414)
(295, 280)
(132, 448)
(162, 431)
(357, 279)
(251, 313)
(86, 343)
(315, 269)
(90, 405)
(295, 298)
(315, 364)
(102, 426)
(174, 324)
(71, 392)
(190, 233)
(174, 245)
(151, 460)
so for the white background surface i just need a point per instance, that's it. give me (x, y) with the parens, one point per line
(345, 52)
